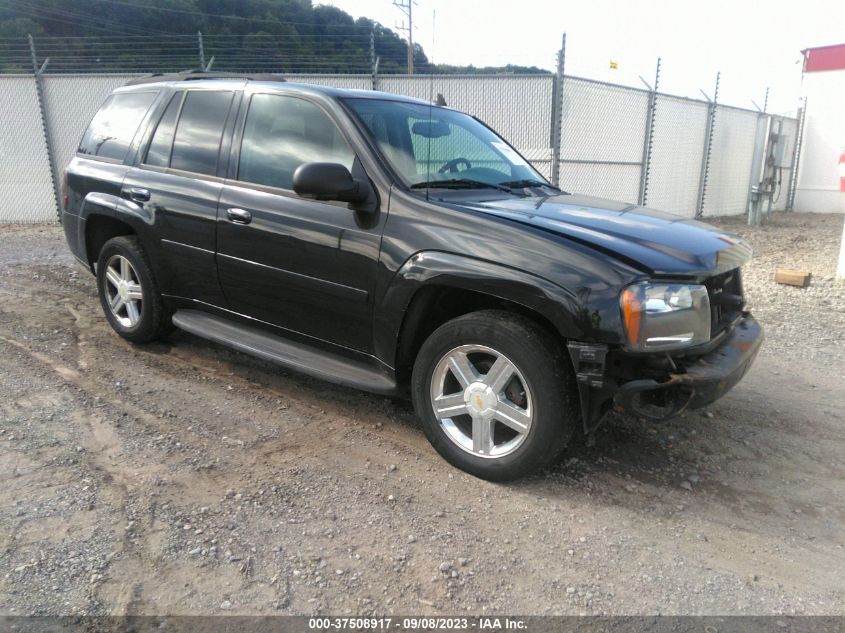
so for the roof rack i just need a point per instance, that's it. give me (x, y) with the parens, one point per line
(190, 75)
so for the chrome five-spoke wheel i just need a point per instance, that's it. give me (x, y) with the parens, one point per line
(481, 401)
(123, 289)
(494, 393)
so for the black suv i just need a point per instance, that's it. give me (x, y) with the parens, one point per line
(397, 246)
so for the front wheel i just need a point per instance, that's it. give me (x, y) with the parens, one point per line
(495, 394)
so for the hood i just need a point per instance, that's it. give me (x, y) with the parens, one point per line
(658, 241)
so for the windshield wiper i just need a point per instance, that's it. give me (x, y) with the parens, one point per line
(528, 182)
(458, 183)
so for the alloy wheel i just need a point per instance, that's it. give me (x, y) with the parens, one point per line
(481, 401)
(123, 291)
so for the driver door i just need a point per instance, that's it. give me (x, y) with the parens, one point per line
(302, 265)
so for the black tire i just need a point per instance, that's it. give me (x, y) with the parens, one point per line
(539, 358)
(154, 322)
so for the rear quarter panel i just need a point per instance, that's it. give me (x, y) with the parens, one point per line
(93, 186)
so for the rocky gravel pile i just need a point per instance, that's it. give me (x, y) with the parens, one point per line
(184, 478)
(795, 316)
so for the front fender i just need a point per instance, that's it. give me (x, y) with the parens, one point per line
(434, 268)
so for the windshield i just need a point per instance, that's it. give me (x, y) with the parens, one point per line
(430, 146)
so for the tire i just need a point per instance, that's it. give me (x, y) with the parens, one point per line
(531, 416)
(149, 320)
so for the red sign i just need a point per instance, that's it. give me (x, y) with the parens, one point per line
(824, 58)
(842, 172)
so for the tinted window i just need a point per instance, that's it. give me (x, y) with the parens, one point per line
(198, 133)
(113, 128)
(281, 133)
(159, 152)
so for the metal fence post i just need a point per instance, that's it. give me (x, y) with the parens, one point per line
(708, 147)
(649, 135)
(796, 158)
(373, 59)
(38, 71)
(201, 50)
(557, 112)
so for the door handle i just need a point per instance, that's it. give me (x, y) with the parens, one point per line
(239, 216)
(139, 195)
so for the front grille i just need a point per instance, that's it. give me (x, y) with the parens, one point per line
(726, 300)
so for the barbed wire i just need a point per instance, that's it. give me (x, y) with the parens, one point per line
(313, 53)
(168, 53)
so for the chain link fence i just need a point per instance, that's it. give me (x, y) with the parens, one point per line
(26, 188)
(615, 142)
(734, 140)
(602, 135)
(678, 143)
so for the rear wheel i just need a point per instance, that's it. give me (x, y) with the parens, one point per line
(128, 291)
(495, 394)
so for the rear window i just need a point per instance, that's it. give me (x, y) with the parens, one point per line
(114, 126)
(159, 152)
(200, 128)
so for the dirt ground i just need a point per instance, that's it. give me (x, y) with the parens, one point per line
(183, 478)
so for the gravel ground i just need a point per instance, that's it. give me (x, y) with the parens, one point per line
(183, 478)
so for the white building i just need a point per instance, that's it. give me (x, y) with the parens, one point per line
(824, 131)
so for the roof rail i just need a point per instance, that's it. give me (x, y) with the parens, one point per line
(190, 75)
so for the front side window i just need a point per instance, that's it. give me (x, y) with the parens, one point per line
(432, 144)
(281, 133)
(115, 124)
(196, 145)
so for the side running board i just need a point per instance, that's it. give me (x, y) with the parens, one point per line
(289, 354)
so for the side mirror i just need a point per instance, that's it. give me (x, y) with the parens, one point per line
(328, 181)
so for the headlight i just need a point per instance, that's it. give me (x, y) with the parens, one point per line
(660, 317)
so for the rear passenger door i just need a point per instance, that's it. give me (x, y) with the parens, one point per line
(303, 265)
(178, 184)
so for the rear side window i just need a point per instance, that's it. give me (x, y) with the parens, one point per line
(114, 126)
(159, 152)
(197, 142)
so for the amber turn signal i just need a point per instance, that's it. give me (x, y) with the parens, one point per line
(632, 311)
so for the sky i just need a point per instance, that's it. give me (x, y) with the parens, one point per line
(753, 44)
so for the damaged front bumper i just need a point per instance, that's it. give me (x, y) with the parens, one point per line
(605, 381)
(698, 383)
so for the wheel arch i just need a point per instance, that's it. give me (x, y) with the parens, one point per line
(107, 216)
(432, 288)
(99, 229)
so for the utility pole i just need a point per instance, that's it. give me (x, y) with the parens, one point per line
(406, 6)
